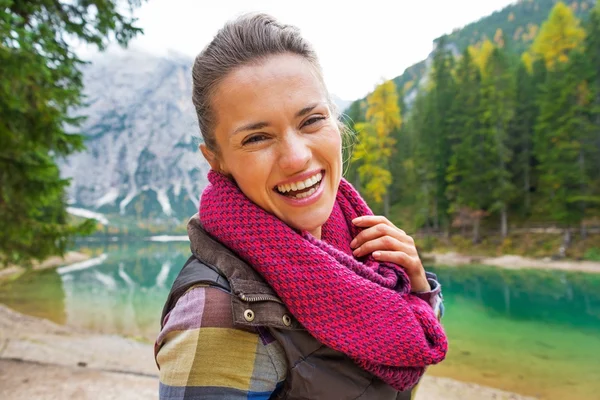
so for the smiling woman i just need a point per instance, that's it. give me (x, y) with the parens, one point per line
(294, 289)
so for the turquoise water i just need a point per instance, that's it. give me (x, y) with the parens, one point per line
(530, 331)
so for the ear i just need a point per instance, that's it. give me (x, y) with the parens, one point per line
(211, 157)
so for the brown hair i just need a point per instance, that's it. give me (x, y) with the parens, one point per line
(248, 39)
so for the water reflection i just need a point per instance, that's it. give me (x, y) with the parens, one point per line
(559, 297)
(125, 293)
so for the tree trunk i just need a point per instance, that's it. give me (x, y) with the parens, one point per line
(583, 189)
(583, 230)
(565, 244)
(504, 222)
(386, 205)
(527, 180)
(436, 221)
(476, 230)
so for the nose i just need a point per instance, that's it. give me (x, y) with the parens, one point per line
(294, 152)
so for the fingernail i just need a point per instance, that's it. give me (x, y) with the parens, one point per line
(376, 254)
(353, 243)
(356, 220)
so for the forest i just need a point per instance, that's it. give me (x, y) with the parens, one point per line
(501, 134)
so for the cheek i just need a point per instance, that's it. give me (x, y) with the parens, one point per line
(252, 180)
(333, 148)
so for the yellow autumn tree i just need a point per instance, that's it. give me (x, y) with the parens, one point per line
(375, 141)
(481, 54)
(527, 59)
(560, 34)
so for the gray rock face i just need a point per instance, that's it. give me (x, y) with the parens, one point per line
(142, 138)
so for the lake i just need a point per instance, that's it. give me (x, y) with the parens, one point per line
(528, 331)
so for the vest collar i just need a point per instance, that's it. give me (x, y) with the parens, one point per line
(250, 290)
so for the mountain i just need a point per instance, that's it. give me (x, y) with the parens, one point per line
(141, 137)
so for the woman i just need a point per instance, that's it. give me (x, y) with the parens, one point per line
(294, 289)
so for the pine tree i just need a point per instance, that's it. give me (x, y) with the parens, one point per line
(560, 134)
(466, 189)
(422, 163)
(521, 131)
(591, 143)
(436, 137)
(41, 83)
(498, 109)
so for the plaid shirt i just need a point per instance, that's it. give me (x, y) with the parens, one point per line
(201, 355)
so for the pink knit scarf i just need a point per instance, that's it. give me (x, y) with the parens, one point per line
(362, 308)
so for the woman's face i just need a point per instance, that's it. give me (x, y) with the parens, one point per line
(278, 139)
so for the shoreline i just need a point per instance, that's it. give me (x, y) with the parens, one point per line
(43, 360)
(511, 262)
(70, 257)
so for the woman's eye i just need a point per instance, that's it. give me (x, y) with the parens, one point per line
(254, 139)
(314, 120)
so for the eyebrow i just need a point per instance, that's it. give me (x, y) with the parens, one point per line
(259, 125)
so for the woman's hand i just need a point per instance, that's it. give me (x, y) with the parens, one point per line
(390, 244)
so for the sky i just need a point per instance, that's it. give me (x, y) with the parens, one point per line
(359, 43)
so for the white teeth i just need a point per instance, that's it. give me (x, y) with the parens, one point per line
(305, 194)
(301, 185)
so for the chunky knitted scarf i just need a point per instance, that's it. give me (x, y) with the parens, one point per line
(362, 308)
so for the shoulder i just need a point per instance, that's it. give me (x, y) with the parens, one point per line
(200, 347)
(202, 314)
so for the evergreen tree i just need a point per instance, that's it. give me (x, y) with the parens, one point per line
(592, 58)
(521, 132)
(436, 139)
(41, 83)
(560, 135)
(466, 184)
(498, 109)
(422, 162)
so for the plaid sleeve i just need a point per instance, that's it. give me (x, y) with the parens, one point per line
(201, 355)
(434, 297)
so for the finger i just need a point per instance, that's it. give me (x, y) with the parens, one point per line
(381, 243)
(382, 230)
(375, 232)
(370, 220)
(396, 257)
(412, 265)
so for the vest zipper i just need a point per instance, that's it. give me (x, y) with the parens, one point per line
(264, 297)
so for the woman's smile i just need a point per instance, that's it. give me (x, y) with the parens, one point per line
(302, 191)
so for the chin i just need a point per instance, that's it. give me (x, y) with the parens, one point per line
(311, 221)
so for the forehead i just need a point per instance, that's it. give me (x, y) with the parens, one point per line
(274, 85)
